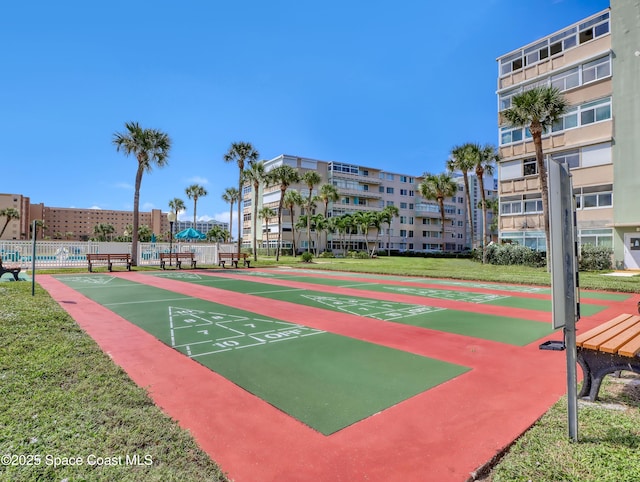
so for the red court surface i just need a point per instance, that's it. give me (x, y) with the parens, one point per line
(443, 434)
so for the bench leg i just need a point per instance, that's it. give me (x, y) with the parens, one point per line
(15, 274)
(110, 266)
(247, 263)
(235, 264)
(178, 263)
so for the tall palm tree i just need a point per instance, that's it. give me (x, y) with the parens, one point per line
(388, 213)
(485, 159)
(328, 194)
(9, 214)
(537, 109)
(318, 224)
(310, 178)
(437, 187)
(461, 161)
(255, 175)
(283, 176)
(195, 192)
(240, 152)
(150, 147)
(230, 195)
(376, 220)
(291, 200)
(267, 214)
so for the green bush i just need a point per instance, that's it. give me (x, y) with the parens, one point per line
(307, 257)
(513, 254)
(361, 255)
(595, 258)
(326, 254)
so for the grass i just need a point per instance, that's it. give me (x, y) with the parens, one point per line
(61, 395)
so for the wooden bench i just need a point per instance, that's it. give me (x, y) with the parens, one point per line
(608, 348)
(233, 258)
(178, 258)
(109, 259)
(13, 270)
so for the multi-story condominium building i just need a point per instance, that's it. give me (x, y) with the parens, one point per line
(202, 226)
(576, 60)
(79, 224)
(417, 227)
(595, 64)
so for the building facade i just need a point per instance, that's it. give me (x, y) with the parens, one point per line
(595, 64)
(578, 61)
(78, 224)
(417, 228)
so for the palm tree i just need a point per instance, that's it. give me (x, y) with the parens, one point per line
(239, 152)
(376, 220)
(283, 176)
(537, 109)
(230, 195)
(150, 147)
(318, 224)
(217, 234)
(363, 221)
(437, 187)
(485, 158)
(177, 206)
(255, 175)
(267, 214)
(310, 178)
(291, 200)
(389, 212)
(461, 161)
(328, 193)
(195, 192)
(9, 214)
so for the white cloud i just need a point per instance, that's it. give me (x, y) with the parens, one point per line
(198, 180)
(123, 185)
(95, 207)
(148, 206)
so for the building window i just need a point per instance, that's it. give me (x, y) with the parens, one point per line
(403, 192)
(389, 190)
(594, 197)
(566, 80)
(596, 70)
(403, 205)
(529, 167)
(596, 237)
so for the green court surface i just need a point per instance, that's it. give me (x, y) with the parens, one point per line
(327, 381)
(454, 295)
(294, 273)
(514, 331)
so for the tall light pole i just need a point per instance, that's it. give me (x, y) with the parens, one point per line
(171, 216)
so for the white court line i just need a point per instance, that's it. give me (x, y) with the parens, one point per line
(275, 291)
(148, 301)
(358, 284)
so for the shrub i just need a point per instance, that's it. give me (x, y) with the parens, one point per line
(361, 255)
(307, 257)
(326, 254)
(595, 258)
(510, 254)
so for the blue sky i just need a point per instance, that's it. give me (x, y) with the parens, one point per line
(390, 85)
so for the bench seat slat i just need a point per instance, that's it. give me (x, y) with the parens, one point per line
(588, 335)
(595, 342)
(631, 330)
(631, 348)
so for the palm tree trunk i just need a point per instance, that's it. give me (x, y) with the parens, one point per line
(484, 218)
(293, 233)
(279, 225)
(542, 176)
(240, 209)
(195, 202)
(469, 213)
(136, 211)
(230, 219)
(255, 222)
(441, 204)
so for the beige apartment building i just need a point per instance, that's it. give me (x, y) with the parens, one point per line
(578, 61)
(360, 188)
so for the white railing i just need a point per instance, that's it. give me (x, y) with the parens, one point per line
(73, 254)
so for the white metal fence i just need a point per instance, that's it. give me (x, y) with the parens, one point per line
(73, 254)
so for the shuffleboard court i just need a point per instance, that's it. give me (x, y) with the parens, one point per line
(326, 381)
(514, 331)
(468, 296)
(296, 272)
